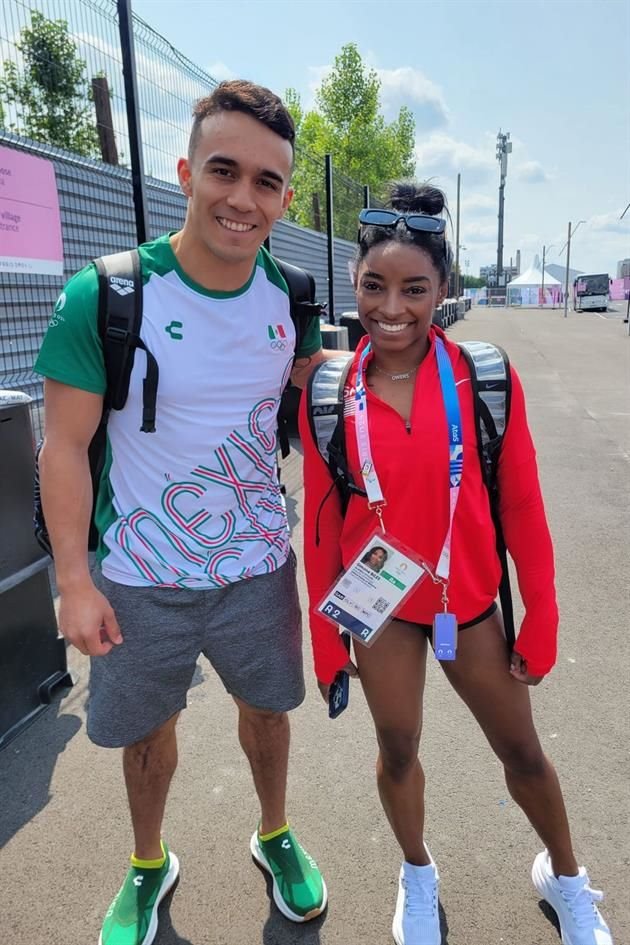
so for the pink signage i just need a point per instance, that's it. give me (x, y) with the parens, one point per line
(30, 226)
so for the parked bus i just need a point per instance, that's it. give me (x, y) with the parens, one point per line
(591, 292)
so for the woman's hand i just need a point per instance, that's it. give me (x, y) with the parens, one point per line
(518, 669)
(324, 688)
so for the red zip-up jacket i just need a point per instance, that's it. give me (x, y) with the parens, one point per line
(412, 465)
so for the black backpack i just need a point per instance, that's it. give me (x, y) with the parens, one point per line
(119, 323)
(491, 384)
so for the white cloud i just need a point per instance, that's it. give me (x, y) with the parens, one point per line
(402, 86)
(479, 233)
(410, 87)
(219, 71)
(442, 155)
(610, 222)
(317, 74)
(532, 172)
(480, 205)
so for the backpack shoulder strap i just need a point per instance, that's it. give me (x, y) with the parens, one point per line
(325, 409)
(119, 322)
(491, 385)
(304, 308)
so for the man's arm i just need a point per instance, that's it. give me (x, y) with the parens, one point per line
(72, 417)
(303, 366)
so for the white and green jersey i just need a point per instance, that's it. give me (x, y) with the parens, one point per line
(197, 503)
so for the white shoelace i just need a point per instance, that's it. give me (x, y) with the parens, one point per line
(420, 898)
(581, 904)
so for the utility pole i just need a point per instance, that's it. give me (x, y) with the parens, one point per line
(542, 288)
(566, 278)
(459, 181)
(567, 245)
(504, 147)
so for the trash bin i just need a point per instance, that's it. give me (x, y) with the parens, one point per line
(335, 337)
(32, 655)
(350, 320)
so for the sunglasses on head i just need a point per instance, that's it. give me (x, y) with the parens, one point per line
(420, 222)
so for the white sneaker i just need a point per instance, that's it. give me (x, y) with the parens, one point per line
(416, 920)
(574, 901)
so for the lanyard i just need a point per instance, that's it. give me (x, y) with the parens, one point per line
(376, 499)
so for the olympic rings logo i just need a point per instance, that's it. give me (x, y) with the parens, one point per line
(278, 345)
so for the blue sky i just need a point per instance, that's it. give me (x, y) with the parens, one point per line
(554, 74)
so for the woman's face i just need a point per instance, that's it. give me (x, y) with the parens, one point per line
(398, 289)
(377, 558)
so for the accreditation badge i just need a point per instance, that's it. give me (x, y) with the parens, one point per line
(369, 593)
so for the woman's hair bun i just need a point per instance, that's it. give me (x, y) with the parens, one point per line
(409, 197)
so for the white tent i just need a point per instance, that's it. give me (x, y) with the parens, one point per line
(527, 289)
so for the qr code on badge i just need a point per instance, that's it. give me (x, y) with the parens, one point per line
(380, 605)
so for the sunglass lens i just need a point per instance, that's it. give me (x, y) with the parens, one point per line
(425, 223)
(374, 217)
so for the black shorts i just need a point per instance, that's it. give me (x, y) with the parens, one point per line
(428, 628)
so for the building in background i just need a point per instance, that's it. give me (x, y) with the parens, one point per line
(489, 273)
(623, 269)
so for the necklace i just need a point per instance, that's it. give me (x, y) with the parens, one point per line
(395, 377)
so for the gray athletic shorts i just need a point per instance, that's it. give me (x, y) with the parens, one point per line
(250, 631)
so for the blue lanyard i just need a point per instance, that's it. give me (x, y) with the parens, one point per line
(450, 398)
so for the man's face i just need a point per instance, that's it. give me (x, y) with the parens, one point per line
(237, 184)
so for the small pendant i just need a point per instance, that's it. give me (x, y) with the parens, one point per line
(400, 377)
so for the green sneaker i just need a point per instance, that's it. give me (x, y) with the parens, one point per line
(132, 918)
(299, 890)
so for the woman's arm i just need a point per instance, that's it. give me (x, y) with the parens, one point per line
(323, 524)
(528, 539)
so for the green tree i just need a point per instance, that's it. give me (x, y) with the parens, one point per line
(347, 122)
(49, 96)
(474, 282)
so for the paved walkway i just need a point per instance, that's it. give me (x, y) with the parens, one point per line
(62, 810)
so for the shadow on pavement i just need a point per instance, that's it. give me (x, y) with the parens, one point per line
(166, 934)
(549, 914)
(27, 766)
(443, 924)
(280, 931)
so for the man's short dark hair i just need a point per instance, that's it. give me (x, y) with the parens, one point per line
(239, 95)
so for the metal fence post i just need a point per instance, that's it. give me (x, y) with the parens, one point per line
(330, 238)
(125, 26)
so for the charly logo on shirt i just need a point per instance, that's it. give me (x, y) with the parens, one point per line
(174, 330)
(277, 338)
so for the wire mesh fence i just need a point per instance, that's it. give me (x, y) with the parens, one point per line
(62, 97)
(61, 83)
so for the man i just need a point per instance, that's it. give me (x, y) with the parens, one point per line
(194, 550)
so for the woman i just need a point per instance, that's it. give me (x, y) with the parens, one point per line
(401, 380)
(375, 558)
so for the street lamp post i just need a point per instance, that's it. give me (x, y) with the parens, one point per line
(568, 247)
(542, 288)
(460, 286)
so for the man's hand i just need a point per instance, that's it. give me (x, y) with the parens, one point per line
(87, 620)
(324, 688)
(518, 669)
